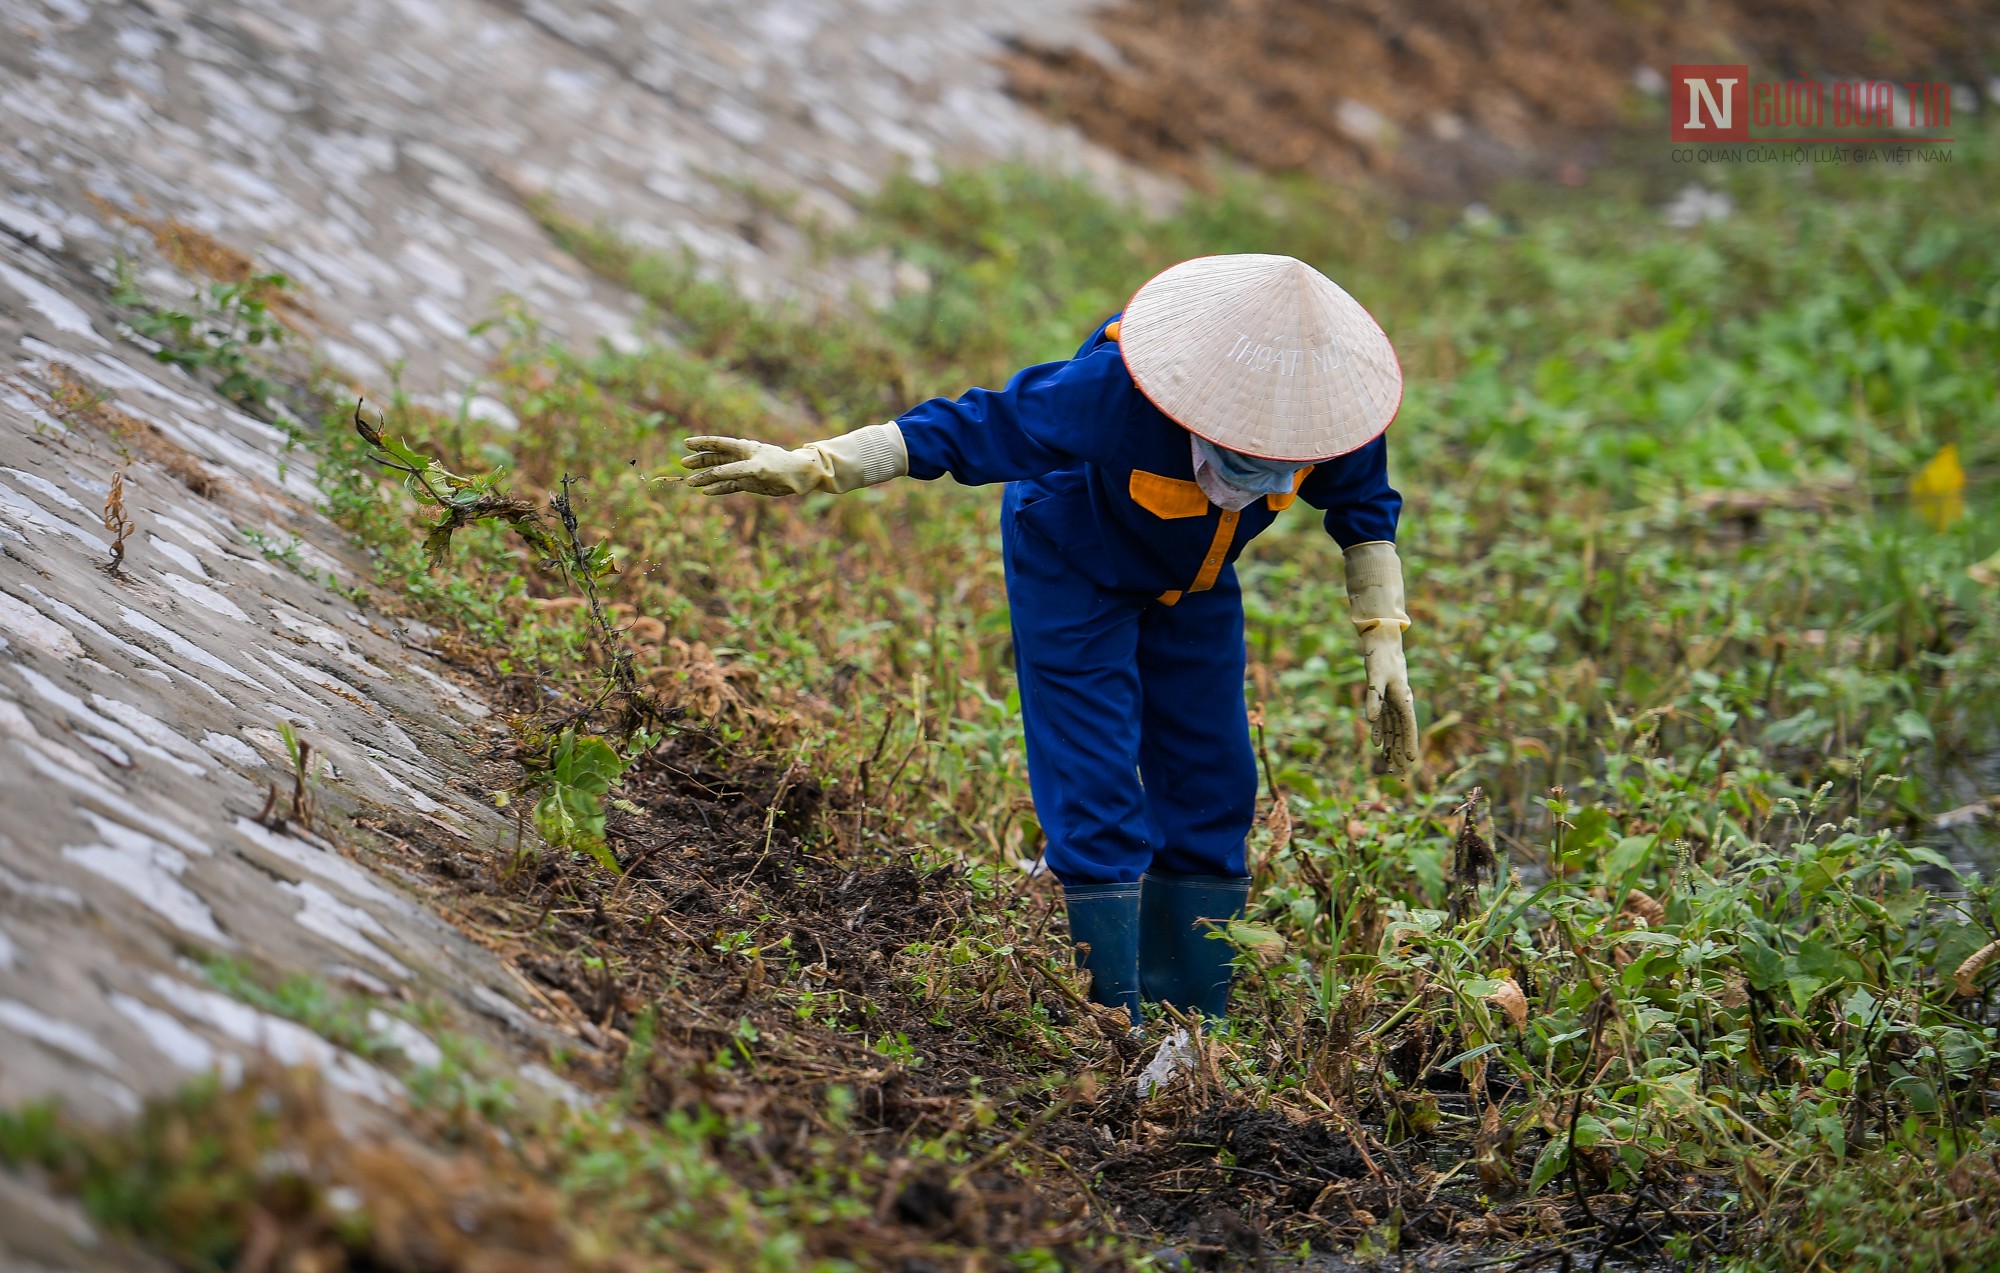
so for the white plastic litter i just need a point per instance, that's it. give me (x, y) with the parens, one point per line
(1175, 1058)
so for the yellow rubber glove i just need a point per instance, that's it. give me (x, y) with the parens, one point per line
(1375, 600)
(849, 462)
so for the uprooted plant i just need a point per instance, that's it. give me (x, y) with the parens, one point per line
(574, 771)
(460, 501)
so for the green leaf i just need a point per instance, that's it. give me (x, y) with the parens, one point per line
(1648, 937)
(1264, 944)
(1639, 971)
(1859, 1006)
(400, 452)
(556, 821)
(1627, 855)
(1763, 966)
(600, 852)
(589, 762)
(1590, 1130)
(1472, 1055)
(1552, 1162)
(1869, 907)
(1913, 727)
(1920, 1094)
(570, 813)
(1824, 960)
(1802, 989)
(1954, 943)
(1960, 1050)
(1586, 830)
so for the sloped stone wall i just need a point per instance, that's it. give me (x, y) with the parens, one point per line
(140, 717)
(380, 151)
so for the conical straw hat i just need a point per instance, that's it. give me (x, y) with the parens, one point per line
(1263, 355)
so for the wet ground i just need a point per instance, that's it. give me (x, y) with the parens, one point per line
(742, 902)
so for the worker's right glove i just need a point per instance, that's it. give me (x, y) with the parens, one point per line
(864, 457)
(1375, 601)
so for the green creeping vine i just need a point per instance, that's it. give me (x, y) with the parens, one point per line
(226, 322)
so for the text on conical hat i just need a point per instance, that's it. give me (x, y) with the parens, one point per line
(1279, 360)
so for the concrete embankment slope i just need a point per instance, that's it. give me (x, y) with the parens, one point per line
(140, 724)
(380, 154)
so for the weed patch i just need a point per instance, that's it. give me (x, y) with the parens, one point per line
(1691, 962)
(1693, 978)
(227, 325)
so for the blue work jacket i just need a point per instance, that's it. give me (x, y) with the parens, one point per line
(1107, 478)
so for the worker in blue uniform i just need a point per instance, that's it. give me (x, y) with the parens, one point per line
(1136, 471)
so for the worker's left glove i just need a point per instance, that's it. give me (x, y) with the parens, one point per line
(1375, 600)
(849, 462)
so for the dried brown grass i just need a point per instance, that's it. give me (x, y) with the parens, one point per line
(77, 401)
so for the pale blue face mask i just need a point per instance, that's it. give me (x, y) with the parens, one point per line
(1247, 473)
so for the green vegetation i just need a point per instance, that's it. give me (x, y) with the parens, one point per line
(223, 333)
(581, 772)
(346, 1020)
(1677, 617)
(260, 1173)
(1703, 566)
(285, 554)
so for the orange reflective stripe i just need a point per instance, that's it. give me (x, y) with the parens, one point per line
(1168, 497)
(1218, 552)
(1111, 332)
(1170, 597)
(1279, 503)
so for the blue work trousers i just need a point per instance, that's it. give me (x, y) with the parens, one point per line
(1139, 752)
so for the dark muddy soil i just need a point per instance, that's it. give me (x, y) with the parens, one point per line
(1443, 96)
(784, 949)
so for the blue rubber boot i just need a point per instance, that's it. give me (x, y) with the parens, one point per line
(1104, 927)
(1179, 963)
